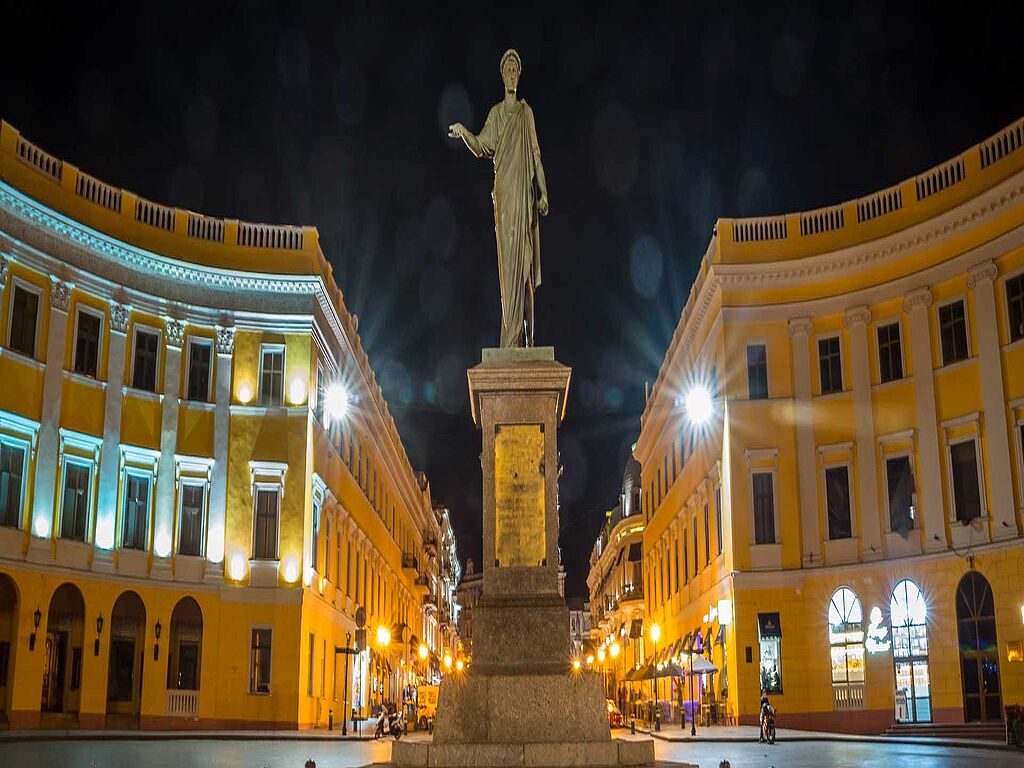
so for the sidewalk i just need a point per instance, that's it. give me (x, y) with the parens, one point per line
(737, 733)
(319, 734)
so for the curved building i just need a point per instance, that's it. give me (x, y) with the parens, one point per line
(200, 481)
(842, 529)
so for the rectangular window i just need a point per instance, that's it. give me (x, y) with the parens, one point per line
(953, 330)
(323, 667)
(1015, 306)
(837, 498)
(757, 372)
(24, 318)
(87, 343)
(718, 519)
(200, 357)
(966, 493)
(707, 535)
(315, 543)
(337, 557)
(190, 525)
(309, 676)
(321, 393)
(348, 568)
(272, 375)
(771, 665)
(900, 482)
(675, 563)
(764, 508)
(144, 364)
(830, 365)
(267, 508)
(135, 525)
(696, 557)
(259, 661)
(12, 470)
(75, 507)
(890, 356)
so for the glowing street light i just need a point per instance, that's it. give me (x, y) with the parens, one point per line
(459, 665)
(698, 404)
(576, 664)
(655, 635)
(448, 661)
(600, 655)
(383, 635)
(336, 402)
(423, 651)
(615, 649)
(590, 659)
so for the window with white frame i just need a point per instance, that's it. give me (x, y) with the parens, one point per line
(12, 481)
(837, 500)
(88, 332)
(963, 460)
(23, 322)
(757, 371)
(718, 519)
(265, 522)
(696, 556)
(191, 516)
(271, 374)
(830, 365)
(953, 332)
(145, 358)
(764, 507)
(136, 509)
(846, 637)
(1015, 306)
(259, 660)
(707, 535)
(890, 353)
(200, 364)
(75, 499)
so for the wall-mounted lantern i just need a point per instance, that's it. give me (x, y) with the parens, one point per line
(36, 618)
(156, 646)
(99, 631)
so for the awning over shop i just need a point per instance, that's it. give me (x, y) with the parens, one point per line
(671, 670)
(707, 641)
(701, 666)
(632, 675)
(687, 643)
(720, 637)
(647, 673)
(636, 629)
(768, 625)
(635, 552)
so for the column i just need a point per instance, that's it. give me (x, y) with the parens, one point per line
(929, 472)
(49, 419)
(800, 330)
(999, 482)
(106, 504)
(856, 324)
(163, 522)
(219, 480)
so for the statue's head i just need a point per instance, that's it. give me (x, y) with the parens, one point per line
(510, 67)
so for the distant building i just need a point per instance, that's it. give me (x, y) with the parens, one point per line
(467, 595)
(579, 625)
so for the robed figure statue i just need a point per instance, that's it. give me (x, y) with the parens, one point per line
(520, 196)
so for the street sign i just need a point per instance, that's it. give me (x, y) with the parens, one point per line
(360, 617)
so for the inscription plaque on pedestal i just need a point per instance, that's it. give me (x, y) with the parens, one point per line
(519, 495)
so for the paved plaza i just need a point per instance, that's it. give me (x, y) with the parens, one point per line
(331, 753)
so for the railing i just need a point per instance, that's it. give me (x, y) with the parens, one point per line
(821, 220)
(205, 228)
(938, 179)
(879, 204)
(748, 230)
(636, 593)
(96, 191)
(270, 236)
(182, 703)
(42, 161)
(1008, 140)
(154, 214)
(848, 696)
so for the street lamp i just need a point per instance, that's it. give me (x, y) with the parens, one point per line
(336, 402)
(655, 635)
(698, 404)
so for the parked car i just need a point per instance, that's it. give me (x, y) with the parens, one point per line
(614, 715)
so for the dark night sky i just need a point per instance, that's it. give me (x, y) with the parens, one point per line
(652, 122)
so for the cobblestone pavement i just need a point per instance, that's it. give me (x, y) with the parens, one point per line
(271, 753)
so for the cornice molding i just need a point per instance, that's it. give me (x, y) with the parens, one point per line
(60, 294)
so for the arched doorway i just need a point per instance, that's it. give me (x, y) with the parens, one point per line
(185, 659)
(908, 619)
(8, 642)
(62, 656)
(846, 649)
(979, 651)
(127, 652)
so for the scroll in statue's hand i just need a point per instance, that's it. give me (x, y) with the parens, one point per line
(542, 205)
(455, 130)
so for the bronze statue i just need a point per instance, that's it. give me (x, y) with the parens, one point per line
(520, 196)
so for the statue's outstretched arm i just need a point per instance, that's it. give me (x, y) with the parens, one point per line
(472, 142)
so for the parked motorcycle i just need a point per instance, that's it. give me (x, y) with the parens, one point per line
(396, 724)
(768, 724)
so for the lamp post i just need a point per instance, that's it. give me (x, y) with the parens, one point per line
(347, 651)
(693, 714)
(655, 636)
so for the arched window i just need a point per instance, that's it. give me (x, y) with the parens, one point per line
(908, 616)
(846, 636)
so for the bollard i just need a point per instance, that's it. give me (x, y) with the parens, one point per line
(632, 725)
(657, 719)
(311, 763)
(725, 764)
(330, 719)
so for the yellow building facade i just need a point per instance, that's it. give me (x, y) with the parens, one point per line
(843, 531)
(200, 481)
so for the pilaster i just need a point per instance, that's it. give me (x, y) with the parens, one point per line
(856, 324)
(217, 515)
(999, 482)
(929, 470)
(163, 523)
(800, 330)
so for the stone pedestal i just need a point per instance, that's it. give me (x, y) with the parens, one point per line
(520, 703)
